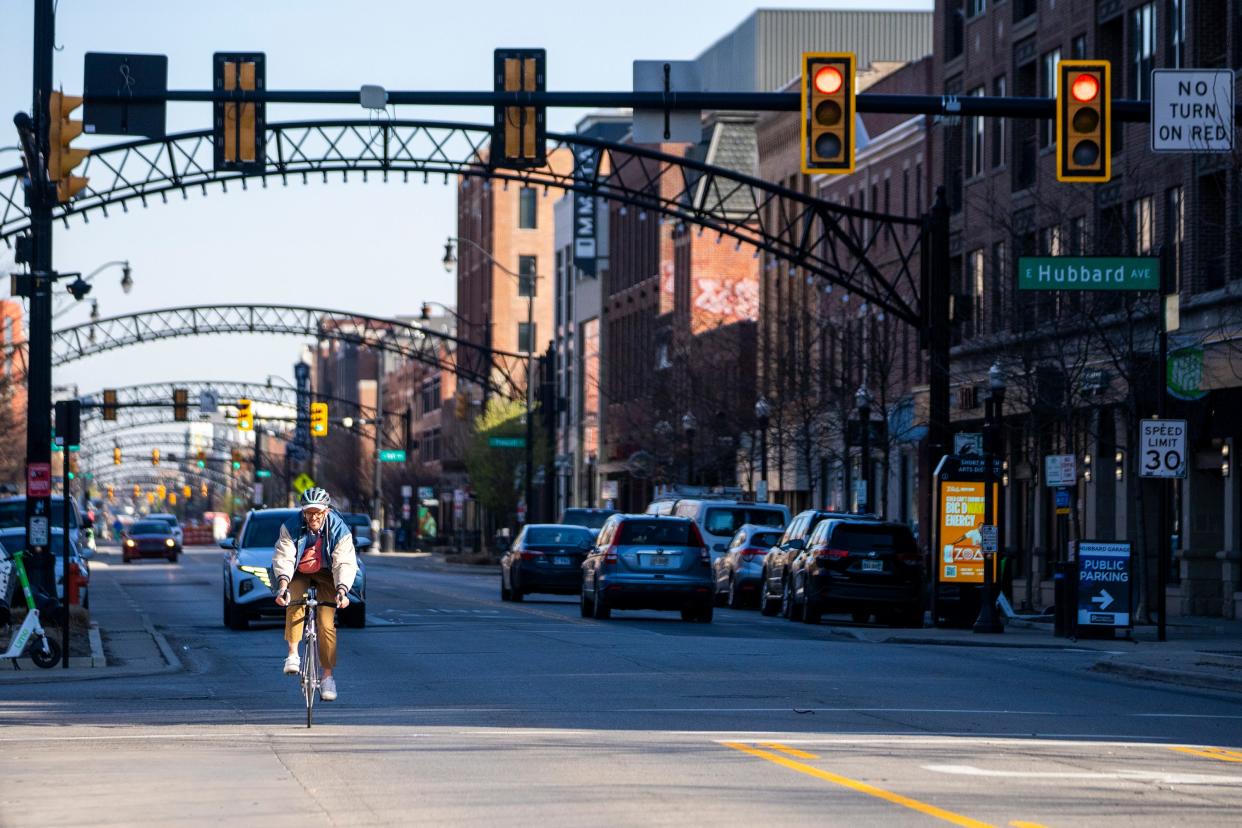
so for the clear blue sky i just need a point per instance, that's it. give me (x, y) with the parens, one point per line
(369, 248)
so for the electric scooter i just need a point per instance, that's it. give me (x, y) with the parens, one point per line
(47, 652)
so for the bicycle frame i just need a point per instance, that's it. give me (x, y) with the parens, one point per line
(310, 680)
(31, 626)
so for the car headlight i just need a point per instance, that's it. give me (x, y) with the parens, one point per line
(258, 572)
(129, 543)
(170, 542)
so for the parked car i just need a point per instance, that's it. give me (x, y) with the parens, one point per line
(591, 518)
(13, 514)
(172, 522)
(776, 562)
(739, 572)
(149, 539)
(648, 562)
(864, 566)
(545, 557)
(14, 538)
(248, 573)
(719, 517)
(359, 526)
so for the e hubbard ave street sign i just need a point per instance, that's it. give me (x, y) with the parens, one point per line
(1089, 273)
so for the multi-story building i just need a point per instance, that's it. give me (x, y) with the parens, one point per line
(12, 396)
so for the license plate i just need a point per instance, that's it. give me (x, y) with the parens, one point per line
(560, 560)
(873, 566)
(657, 560)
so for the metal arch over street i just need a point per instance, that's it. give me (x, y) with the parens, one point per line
(170, 439)
(834, 242)
(497, 370)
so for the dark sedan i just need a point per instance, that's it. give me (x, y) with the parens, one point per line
(149, 539)
(544, 558)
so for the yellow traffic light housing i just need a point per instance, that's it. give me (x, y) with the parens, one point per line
(519, 133)
(1084, 121)
(155, 457)
(111, 494)
(137, 491)
(109, 404)
(61, 157)
(828, 110)
(187, 490)
(245, 415)
(161, 491)
(319, 419)
(202, 488)
(116, 456)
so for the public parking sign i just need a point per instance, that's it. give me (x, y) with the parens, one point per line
(1162, 447)
(1104, 594)
(1191, 110)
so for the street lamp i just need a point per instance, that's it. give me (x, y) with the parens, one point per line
(83, 282)
(449, 261)
(689, 425)
(763, 411)
(993, 411)
(862, 398)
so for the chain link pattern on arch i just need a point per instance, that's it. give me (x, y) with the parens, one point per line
(122, 476)
(830, 241)
(499, 370)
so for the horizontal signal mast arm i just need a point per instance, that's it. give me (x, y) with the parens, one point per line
(987, 106)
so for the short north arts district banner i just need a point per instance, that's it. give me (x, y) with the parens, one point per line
(1088, 273)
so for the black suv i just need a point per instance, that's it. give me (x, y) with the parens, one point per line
(776, 562)
(862, 565)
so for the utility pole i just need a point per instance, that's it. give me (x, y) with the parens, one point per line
(935, 290)
(377, 484)
(529, 494)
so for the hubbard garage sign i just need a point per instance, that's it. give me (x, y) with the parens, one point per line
(1088, 273)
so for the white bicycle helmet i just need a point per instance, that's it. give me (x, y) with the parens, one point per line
(316, 498)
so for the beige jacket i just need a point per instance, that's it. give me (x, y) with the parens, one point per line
(340, 551)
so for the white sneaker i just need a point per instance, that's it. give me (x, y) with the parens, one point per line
(292, 665)
(327, 689)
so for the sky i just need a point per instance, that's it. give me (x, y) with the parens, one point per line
(368, 248)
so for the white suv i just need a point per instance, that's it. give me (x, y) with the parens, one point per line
(719, 518)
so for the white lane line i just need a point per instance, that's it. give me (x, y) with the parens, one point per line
(1182, 716)
(1162, 777)
(799, 709)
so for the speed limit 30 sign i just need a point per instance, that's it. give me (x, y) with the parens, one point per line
(1162, 444)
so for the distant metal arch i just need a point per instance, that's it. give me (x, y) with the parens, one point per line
(830, 241)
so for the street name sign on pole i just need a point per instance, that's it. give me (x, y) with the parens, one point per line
(506, 442)
(1089, 273)
(1162, 448)
(392, 456)
(1192, 110)
(1060, 470)
(1104, 585)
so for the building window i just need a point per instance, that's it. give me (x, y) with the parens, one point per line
(528, 212)
(1143, 225)
(974, 8)
(1078, 47)
(976, 276)
(1000, 284)
(526, 337)
(1048, 89)
(954, 30)
(998, 125)
(1176, 28)
(1023, 9)
(1078, 236)
(1175, 229)
(918, 188)
(526, 275)
(1142, 50)
(974, 140)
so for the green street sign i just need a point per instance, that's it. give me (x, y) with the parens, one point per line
(1089, 273)
(58, 447)
(392, 456)
(507, 442)
(263, 473)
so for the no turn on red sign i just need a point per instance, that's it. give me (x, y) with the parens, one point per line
(1162, 447)
(1191, 110)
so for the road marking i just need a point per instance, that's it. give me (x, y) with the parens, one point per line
(862, 787)
(794, 752)
(1124, 776)
(1220, 754)
(1017, 823)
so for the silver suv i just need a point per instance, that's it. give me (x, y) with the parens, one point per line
(648, 562)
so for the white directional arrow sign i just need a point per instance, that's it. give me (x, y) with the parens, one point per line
(1103, 599)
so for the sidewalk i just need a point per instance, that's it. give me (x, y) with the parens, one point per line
(131, 645)
(1198, 652)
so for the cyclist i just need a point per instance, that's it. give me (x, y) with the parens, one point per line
(315, 547)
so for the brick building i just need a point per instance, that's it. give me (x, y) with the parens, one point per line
(12, 397)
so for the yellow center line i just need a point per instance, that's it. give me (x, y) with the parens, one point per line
(1017, 823)
(1219, 754)
(861, 787)
(786, 749)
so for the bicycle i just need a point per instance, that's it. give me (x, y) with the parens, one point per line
(47, 654)
(308, 674)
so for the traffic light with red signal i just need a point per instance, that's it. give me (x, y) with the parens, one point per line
(828, 110)
(1084, 121)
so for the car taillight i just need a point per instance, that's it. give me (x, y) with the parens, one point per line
(531, 556)
(696, 539)
(753, 552)
(610, 554)
(829, 554)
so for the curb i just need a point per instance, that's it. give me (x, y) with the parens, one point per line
(1189, 678)
(955, 642)
(170, 656)
(95, 660)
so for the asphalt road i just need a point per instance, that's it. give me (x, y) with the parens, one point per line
(457, 709)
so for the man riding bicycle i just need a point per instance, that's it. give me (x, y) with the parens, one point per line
(314, 548)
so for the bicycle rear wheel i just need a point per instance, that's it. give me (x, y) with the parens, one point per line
(310, 674)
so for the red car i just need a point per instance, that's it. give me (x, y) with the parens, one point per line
(149, 539)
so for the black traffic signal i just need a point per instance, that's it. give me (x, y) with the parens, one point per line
(828, 112)
(1084, 121)
(62, 158)
(181, 405)
(519, 133)
(109, 404)
(239, 128)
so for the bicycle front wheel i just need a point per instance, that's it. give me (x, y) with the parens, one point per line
(310, 676)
